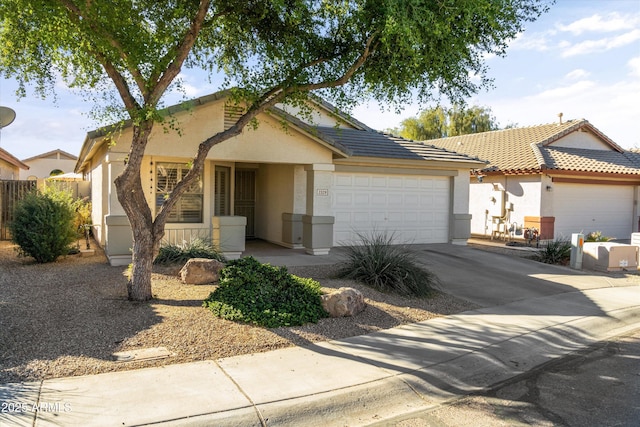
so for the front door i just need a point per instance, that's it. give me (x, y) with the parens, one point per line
(245, 198)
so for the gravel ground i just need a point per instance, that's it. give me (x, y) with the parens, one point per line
(68, 318)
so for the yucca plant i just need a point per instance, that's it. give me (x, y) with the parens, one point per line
(377, 261)
(555, 252)
(180, 254)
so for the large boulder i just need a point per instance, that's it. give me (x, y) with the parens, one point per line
(343, 302)
(200, 271)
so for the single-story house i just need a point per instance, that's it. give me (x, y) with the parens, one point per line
(297, 180)
(560, 178)
(10, 166)
(44, 165)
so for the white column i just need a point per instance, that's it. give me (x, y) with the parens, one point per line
(317, 224)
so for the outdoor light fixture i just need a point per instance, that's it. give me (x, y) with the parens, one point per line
(478, 174)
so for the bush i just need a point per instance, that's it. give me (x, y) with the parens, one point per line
(180, 254)
(264, 295)
(555, 252)
(43, 225)
(387, 267)
(596, 236)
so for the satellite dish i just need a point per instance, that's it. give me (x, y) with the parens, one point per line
(7, 116)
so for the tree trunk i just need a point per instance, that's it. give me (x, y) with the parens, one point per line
(146, 241)
(139, 286)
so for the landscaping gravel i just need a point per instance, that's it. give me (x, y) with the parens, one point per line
(68, 318)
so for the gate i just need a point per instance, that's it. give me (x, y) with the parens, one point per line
(10, 193)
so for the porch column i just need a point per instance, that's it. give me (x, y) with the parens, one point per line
(460, 217)
(317, 224)
(118, 235)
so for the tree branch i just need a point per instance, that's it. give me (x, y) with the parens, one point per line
(182, 51)
(77, 15)
(267, 100)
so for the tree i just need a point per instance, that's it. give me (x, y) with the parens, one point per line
(271, 51)
(441, 122)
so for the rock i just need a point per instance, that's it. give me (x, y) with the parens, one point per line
(200, 271)
(343, 302)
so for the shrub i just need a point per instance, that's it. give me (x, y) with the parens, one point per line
(265, 295)
(596, 236)
(555, 252)
(180, 254)
(43, 225)
(387, 267)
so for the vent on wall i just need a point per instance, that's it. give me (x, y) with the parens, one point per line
(232, 114)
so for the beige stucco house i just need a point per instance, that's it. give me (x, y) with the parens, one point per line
(45, 164)
(308, 183)
(561, 178)
(10, 166)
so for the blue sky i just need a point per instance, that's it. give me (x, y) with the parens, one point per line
(582, 58)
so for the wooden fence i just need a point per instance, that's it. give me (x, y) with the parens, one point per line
(10, 193)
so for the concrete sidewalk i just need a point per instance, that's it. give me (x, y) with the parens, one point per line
(531, 313)
(350, 382)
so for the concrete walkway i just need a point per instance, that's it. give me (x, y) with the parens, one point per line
(364, 379)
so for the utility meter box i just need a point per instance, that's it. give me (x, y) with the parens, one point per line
(609, 256)
(577, 244)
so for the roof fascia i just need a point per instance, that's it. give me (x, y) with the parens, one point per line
(335, 112)
(583, 124)
(424, 163)
(10, 158)
(310, 131)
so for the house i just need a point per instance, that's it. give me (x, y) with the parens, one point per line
(10, 166)
(307, 181)
(560, 178)
(44, 165)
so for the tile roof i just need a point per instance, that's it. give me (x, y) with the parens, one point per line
(363, 143)
(531, 149)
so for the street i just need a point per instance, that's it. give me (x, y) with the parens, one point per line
(599, 386)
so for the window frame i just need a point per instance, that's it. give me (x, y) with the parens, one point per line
(182, 212)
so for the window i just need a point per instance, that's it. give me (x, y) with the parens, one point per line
(189, 206)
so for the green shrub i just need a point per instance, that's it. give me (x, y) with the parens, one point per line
(377, 262)
(43, 225)
(265, 295)
(555, 252)
(180, 254)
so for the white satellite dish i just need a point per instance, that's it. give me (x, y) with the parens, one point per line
(7, 116)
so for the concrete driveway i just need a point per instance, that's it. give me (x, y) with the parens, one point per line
(490, 279)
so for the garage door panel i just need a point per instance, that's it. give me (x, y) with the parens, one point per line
(395, 182)
(589, 207)
(379, 182)
(413, 209)
(361, 181)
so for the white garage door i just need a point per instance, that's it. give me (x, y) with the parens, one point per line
(587, 207)
(416, 209)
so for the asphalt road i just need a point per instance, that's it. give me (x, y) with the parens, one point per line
(599, 386)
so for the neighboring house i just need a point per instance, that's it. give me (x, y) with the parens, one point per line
(54, 162)
(10, 166)
(290, 182)
(560, 178)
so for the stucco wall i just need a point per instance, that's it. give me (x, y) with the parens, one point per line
(584, 140)
(98, 202)
(8, 171)
(275, 189)
(41, 168)
(523, 192)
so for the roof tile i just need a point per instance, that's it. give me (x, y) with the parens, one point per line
(362, 143)
(531, 149)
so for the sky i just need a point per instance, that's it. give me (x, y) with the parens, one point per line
(582, 59)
